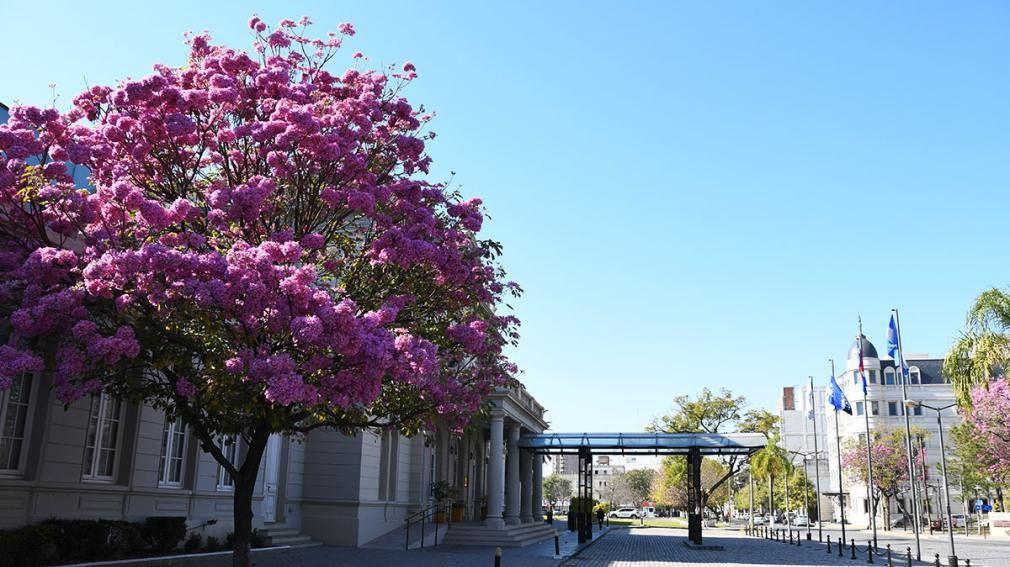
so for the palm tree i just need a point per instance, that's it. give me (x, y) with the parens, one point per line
(768, 463)
(983, 350)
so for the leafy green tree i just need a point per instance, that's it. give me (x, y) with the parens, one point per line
(760, 421)
(639, 483)
(669, 486)
(556, 488)
(711, 413)
(708, 413)
(984, 345)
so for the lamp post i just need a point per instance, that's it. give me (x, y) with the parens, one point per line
(952, 559)
(806, 482)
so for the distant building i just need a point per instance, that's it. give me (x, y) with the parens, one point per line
(885, 407)
(798, 424)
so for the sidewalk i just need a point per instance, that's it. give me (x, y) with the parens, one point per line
(537, 555)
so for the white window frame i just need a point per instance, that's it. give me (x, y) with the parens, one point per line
(225, 482)
(174, 434)
(99, 417)
(389, 443)
(914, 376)
(889, 373)
(19, 436)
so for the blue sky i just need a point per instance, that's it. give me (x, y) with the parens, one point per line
(701, 194)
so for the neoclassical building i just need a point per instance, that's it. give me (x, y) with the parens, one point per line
(103, 458)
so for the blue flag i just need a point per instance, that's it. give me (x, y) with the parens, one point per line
(892, 337)
(893, 347)
(837, 398)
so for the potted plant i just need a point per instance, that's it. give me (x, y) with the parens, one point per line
(444, 493)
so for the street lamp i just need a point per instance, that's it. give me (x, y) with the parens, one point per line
(806, 481)
(911, 404)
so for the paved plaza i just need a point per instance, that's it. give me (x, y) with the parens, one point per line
(629, 547)
(655, 547)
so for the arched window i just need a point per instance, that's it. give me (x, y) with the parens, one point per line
(913, 375)
(889, 376)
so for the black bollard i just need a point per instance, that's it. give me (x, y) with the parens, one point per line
(841, 546)
(889, 562)
(790, 537)
(497, 557)
(908, 556)
(557, 546)
(936, 560)
(852, 548)
(829, 543)
(869, 552)
(798, 538)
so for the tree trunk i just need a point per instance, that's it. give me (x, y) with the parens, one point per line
(245, 482)
(243, 515)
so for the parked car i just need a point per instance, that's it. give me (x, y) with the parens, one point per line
(801, 521)
(760, 520)
(960, 520)
(625, 513)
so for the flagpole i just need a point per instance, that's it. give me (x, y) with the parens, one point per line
(817, 464)
(838, 443)
(908, 438)
(870, 508)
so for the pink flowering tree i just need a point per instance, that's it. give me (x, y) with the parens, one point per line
(260, 252)
(989, 421)
(890, 467)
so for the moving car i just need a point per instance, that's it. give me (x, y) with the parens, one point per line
(625, 513)
(801, 521)
(760, 520)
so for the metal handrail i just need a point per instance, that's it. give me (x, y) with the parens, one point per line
(430, 511)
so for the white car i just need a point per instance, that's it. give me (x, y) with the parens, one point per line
(625, 513)
(760, 520)
(802, 521)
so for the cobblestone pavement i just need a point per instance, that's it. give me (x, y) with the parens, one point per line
(662, 547)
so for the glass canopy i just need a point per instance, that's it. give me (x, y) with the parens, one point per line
(645, 443)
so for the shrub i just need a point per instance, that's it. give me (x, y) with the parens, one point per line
(193, 543)
(164, 533)
(27, 547)
(212, 544)
(79, 540)
(124, 539)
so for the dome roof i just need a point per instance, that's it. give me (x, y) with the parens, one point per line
(869, 351)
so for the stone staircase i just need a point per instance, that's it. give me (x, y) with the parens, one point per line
(477, 534)
(278, 536)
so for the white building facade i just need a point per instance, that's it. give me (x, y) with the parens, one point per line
(802, 411)
(885, 409)
(104, 458)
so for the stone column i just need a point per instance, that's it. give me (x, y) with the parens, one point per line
(512, 477)
(496, 472)
(526, 474)
(538, 488)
